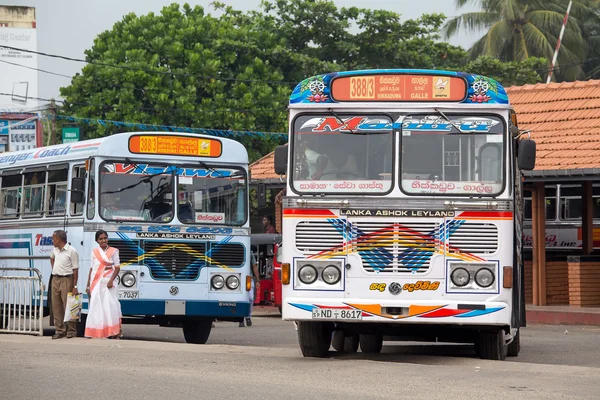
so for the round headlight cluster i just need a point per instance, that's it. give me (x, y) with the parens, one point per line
(232, 282)
(308, 274)
(331, 275)
(484, 277)
(128, 279)
(217, 282)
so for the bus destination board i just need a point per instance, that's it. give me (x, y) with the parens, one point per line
(175, 145)
(395, 87)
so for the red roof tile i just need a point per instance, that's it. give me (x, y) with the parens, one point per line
(565, 122)
(263, 168)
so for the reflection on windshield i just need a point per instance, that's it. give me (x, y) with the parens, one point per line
(216, 198)
(462, 155)
(135, 192)
(343, 154)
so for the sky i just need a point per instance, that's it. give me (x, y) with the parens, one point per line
(69, 27)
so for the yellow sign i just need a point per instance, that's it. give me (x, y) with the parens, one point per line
(175, 145)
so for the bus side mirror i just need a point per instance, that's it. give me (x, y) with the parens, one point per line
(77, 185)
(261, 195)
(526, 157)
(281, 159)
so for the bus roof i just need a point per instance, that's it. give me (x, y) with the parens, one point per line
(131, 145)
(399, 85)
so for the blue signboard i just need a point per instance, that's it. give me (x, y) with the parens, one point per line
(3, 127)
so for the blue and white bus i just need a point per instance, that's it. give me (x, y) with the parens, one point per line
(175, 205)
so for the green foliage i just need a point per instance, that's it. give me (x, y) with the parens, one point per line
(509, 73)
(185, 67)
(519, 29)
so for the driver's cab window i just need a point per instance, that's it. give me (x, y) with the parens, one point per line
(78, 172)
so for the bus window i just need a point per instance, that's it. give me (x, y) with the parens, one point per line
(78, 172)
(11, 195)
(216, 199)
(33, 193)
(91, 197)
(490, 157)
(57, 191)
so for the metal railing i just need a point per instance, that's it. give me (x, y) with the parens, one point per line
(22, 301)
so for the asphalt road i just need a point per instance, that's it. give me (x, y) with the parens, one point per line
(264, 362)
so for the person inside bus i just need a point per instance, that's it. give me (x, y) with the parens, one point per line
(331, 163)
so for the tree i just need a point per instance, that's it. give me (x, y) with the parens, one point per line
(519, 29)
(185, 67)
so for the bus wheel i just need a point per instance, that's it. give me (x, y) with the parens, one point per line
(343, 343)
(81, 325)
(515, 346)
(314, 338)
(371, 343)
(197, 331)
(492, 345)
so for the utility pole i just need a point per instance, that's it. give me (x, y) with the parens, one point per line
(562, 32)
(53, 134)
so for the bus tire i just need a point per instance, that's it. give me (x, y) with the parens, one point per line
(197, 331)
(492, 345)
(314, 338)
(343, 343)
(81, 325)
(371, 343)
(514, 348)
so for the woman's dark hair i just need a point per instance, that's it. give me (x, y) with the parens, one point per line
(100, 232)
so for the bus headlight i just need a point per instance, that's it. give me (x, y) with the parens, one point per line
(307, 274)
(217, 282)
(128, 279)
(460, 277)
(484, 277)
(331, 275)
(232, 282)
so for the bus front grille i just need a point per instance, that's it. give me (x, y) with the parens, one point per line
(178, 260)
(387, 247)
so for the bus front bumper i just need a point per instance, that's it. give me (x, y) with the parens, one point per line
(422, 312)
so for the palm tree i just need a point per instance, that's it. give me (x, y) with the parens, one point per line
(519, 29)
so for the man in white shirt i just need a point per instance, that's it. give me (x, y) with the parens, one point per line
(65, 267)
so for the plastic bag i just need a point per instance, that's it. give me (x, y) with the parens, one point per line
(73, 309)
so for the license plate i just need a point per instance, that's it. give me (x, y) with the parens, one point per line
(337, 315)
(129, 295)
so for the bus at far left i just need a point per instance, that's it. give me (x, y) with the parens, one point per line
(174, 205)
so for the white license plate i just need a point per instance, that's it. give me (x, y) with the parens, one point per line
(129, 295)
(336, 314)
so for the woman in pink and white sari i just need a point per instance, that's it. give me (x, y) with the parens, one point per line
(104, 312)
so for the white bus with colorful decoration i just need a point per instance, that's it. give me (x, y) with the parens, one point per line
(175, 205)
(403, 209)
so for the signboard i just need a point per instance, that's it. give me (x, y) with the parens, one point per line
(175, 145)
(22, 135)
(18, 69)
(71, 134)
(396, 87)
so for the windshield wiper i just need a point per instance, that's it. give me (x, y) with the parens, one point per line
(447, 119)
(211, 169)
(340, 120)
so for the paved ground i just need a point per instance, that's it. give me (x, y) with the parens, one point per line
(264, 362)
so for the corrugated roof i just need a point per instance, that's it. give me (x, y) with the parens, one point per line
(565, 122)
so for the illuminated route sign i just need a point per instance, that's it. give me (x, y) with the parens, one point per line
(175, 145)
(392, 87)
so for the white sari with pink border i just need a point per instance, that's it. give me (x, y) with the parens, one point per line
(104, 313)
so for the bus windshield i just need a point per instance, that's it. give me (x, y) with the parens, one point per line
(136, 192)
(218, 197)
(343, 154)
(452, 154)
